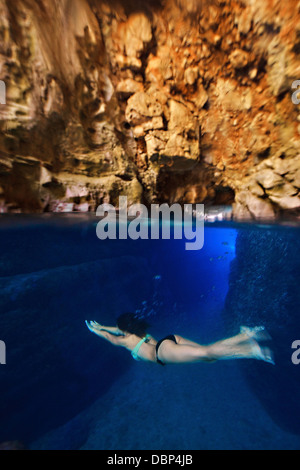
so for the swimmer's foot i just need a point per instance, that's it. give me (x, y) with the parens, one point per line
(262, 353)
(259, 333)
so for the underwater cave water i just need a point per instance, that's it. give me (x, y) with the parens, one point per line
(64, 388)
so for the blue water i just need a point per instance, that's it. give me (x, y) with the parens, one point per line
(64, 388)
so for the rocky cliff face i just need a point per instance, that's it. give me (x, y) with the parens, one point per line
(168, 101)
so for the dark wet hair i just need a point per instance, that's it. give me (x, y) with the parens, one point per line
(130, 323)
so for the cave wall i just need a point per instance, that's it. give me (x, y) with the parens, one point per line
(186, 101)
(264, 290)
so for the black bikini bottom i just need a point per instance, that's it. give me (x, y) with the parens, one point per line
(171, 338)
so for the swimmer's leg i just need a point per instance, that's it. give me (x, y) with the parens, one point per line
(258, 333)
(246, 349)
(234, 340)
(237, 347)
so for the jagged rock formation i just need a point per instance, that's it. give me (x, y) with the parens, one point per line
(186, 101)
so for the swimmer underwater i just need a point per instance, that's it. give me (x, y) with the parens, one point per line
(131, 333)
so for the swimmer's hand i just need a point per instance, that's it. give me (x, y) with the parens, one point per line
(99, 330)
(93, 326)
(96, 325)
(111, 334)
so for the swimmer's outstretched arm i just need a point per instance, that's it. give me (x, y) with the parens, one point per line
(110, 329)
(112, 337)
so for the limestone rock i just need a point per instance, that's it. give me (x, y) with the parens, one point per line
(287, 167)
(179, 146)
(282, 190)
(191, 75)
(286, 202)
(232, 100)
(257, 207)
(154, 123)
(296, 179)
(45, 176)
(277, 63)
(268, 179)
(138, 32)
(175, 97)
(129, 87)
(6, 165)
(244, 21)
(180, 116)
(142, 106)
(256, 189)
(202, 97)
(155, 143)
(239, 58)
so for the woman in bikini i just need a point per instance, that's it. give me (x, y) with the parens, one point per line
(131, 333)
